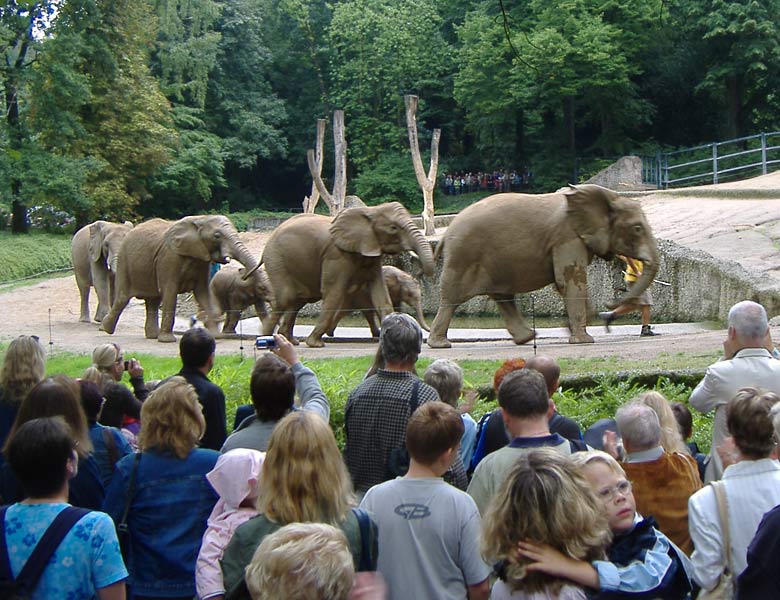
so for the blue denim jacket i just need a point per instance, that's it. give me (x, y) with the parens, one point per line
(167, 518)
(100, 450)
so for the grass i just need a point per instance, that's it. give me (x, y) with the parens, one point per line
(32, 254)
(338, 376)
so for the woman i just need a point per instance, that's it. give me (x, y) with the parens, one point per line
(86, 563)
(108, 366)
(751, 484)
(108, 443)
(53, 397)
(671, 440)
(304, 479)
(169, 499)
(23, 367)
(546, 499)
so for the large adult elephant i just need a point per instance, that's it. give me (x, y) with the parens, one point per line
(311, 257)
(160, 259)
(95, 251)
(513, 243)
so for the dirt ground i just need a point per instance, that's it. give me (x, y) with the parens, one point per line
(50, 308)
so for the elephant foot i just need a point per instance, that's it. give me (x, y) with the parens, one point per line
(107, 327)
(582, 338)
(86, 319)
(228, 331)
(166, 337)
(313, 342)
(100, 316)
(438, 341)
(523, 337)
(293, 340)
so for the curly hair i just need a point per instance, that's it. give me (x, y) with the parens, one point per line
(509, 365)
(24, 366)
(172, 419)
(544, 498)
(304, 478)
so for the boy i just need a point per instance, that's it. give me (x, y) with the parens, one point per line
(641, 561)
(428, 530)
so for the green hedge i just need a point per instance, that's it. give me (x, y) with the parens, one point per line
(32, 254)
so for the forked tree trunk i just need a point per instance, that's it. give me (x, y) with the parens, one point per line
(335, 201)
(310, 202)
(427, 182)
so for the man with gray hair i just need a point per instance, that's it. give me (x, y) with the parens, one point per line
(748, 361)
(662, 482)
(379, 408)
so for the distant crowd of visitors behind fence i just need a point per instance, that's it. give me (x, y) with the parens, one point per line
(500, 180)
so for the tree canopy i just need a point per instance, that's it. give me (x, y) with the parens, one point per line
(135, 108)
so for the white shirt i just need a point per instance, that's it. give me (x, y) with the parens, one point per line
(752, 489)
(749, 367)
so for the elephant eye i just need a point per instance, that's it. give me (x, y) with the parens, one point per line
(637, 228)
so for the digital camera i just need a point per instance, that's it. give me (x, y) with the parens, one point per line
(265, 341)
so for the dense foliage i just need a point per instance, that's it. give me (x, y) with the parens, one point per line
(133, 108)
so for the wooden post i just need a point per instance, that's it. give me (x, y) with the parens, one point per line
(310, 202)
(340, 176)
(426, 182)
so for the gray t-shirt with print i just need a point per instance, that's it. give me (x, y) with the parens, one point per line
(429, 535)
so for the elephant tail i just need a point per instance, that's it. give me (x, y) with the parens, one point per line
(439, 250)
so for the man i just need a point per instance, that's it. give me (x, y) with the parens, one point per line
(275, 378)
(662, 482)
(747, 361)
(378, 409)
(642, 303)
(524, 405)
(428, 530)
(197, 349)
(495, 435)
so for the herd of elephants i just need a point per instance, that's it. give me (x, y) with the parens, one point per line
(500, 246)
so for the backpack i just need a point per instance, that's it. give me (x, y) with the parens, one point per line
(23, 587)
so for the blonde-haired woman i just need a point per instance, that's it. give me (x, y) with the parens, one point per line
(671, 439)
(24, 365)
(122, 405)
(165, 493)
(304, 479)
(546, 499)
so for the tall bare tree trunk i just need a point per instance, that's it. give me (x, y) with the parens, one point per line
(427, 182)
(335, 200)
(310, 202)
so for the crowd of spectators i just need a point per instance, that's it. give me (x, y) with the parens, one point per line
(275, 510)
(500, 180)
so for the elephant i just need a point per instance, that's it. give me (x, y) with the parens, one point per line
(231, 293)
(311, 257)
(402, 287)
(509, 243)
(160, 259)
(94, 251)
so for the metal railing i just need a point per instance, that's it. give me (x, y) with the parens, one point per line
(713, 163)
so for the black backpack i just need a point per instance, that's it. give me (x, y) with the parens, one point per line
(24, 585)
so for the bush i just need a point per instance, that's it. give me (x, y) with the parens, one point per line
(32, 254)
(391, 179)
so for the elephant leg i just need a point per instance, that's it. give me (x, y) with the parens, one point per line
(231, 320)
(100, 281)
(287, 324)
(571, 279)
(515, 323)
(84, 294)
(151, 326)
(373, 325)
(331, 307)
(441, 323)
(261, 310)
(203, 298)
(341, 314)
(110, 320)
(420, 316)
(168, 318)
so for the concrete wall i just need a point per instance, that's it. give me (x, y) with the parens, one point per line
(623, 175)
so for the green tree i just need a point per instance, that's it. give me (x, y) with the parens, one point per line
(381, 50)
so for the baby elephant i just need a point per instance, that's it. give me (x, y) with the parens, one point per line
(402, 287)
(231, 294)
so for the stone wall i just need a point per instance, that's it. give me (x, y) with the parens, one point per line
(622, 175)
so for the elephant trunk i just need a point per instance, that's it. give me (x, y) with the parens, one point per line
(422, 248)
(649, 270)
(241, 253)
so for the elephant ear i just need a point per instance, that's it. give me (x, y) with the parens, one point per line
(589, 211)
(183, 238)
(353, 231)
(96, 241)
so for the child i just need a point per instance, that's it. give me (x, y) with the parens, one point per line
(643, 563)
(544, 498)
(234, 478)
(429, 530)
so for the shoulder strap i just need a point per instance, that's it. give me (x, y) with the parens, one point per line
(719, 488)
(113, 451)
(415, 401)
(364, 522)
(46, 546)
(122, 525)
